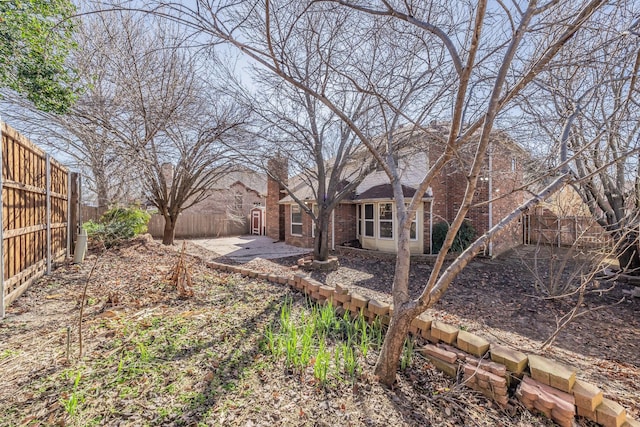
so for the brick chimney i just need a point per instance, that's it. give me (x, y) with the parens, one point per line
(278, 167)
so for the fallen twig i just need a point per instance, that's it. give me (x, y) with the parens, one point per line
(84, 296)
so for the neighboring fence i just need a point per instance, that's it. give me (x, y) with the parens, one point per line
(91, 213)
(201, 225)
(546, 228)
(35, 214)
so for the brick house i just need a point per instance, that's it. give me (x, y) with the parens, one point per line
(227, 208)
(234, 194)
(368, 215)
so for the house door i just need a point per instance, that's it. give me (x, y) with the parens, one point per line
(256, 222)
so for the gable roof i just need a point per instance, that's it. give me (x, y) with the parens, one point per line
(385, 191)
(413, 148)
(251, 179)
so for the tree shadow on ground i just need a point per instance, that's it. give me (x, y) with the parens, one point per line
(500, 293)
(227, 370)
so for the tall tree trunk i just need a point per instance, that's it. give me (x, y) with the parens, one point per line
(391, 351)
(169, 230)
(321, 241)
(628, 253)
(406, 309)
(102, 192)
(403, 314)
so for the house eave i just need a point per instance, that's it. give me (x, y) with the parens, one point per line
(381, 199)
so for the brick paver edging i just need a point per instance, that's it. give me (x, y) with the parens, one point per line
(540, 384)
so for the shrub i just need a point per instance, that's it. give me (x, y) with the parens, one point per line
(118, 224)
(464, 237)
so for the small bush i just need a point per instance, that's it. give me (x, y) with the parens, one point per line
(118, 224)
(464, 237)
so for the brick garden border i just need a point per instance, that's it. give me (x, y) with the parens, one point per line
(540, 384)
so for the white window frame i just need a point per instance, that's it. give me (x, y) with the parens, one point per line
(415, 221)
(386, 221)
(372, 220)
(297, 208)
(358, 220)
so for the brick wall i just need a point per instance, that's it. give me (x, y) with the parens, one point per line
(345, 227)
(221, 201)
(274, 218)
(506, 198)
(449, 187)
(304, 241)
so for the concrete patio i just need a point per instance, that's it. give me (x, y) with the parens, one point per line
(246, 248)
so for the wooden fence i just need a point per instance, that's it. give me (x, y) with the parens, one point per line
(201, 225)
(546, 228)
(35, 206)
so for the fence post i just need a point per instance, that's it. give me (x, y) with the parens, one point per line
(73, 211)
(48, 190)
(1, 227)
(79, 201)
(68, 254)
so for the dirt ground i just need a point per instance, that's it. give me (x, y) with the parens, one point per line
(498, 299)
(152, 357)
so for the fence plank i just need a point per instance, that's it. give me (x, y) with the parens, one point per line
(35, 207)
(545, 228)
(201, 225)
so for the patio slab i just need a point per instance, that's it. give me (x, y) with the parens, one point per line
(247, 248)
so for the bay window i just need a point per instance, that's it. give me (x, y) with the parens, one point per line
(385, 221)
(296, 220)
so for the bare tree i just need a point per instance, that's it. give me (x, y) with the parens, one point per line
(323, 153)
(599, 103)
(200, 157)
(170, 113)
(151, 100)
(488, 56)
(78, 135)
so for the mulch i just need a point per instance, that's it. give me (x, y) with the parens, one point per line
(498, 299)
(130, 285)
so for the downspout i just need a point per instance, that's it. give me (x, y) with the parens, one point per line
(431, 227)
(490, 196)
(333, 230)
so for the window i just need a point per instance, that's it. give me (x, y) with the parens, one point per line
(296, 220)
(385, 221)
(359, 215)
(413, 231)
(237, 203)
(368, 220)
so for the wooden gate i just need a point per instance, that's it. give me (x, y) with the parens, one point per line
(34, 220)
